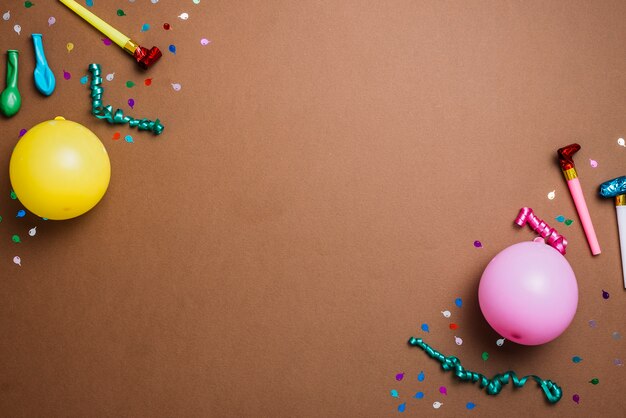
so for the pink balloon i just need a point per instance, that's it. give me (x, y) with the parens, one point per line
(528, 293)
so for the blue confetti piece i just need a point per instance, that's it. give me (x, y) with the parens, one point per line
(420, 377)
(84, 80)
(425, 327)
(419, 395)
(394, 393)
(402, 407)
(145, 27)
(89, 3)
(576, 359)
(172, 49)
(128, 139)
(21, 213)
(470, 405)
(458, 302)
(560, 218)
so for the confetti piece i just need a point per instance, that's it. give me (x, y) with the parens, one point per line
(605, 294)
(84, 80)
(131, 103)
(576, 359)
(120, 12)
(16, 239)
(560, 218)
(478, 244)
(13, 195)
(176, 86)
(425, 328)
(32, 232)
(145, 27)
(458, 340)
(51, 20)
(446, 314)
(17, 260)
(128, 139)
(0, 218)
(106, 41)
(172, 49)
(437, 405)
(110, 77)
(130, 84)
(28, 4)
(147, 81)
(22, 132)
(618, 362)
(89, 3)
(621, 142)
(394, 393)
(576, 398)
(399, 376)
(17, 28)
(402, 407)
(66, 75)
(204, 41)
(470, 405)
(183, 16)
(419, 395)
(116, 136)
(568, 222)
(500, 342)
(155, 1)
(485, 356)
(420, 377)
(458, 302)
(21, 213)
(593, 324)
(196, 1)
(552, 195)
(593, 163)
(453, 326)
(616, 335)
(594, 381)
(167, 26)
(442, 389)
(69, 47)
(6, 15)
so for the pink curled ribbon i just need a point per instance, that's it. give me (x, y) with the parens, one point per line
(553, 238)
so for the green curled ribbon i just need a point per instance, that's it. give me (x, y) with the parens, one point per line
(106, 112)
(494, 386)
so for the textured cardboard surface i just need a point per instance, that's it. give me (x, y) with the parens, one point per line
(314, 198)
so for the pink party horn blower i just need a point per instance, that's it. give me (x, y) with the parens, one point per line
(566, 162)
(528, 292)
(616, 188)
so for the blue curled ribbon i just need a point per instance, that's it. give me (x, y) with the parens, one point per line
(106, 112)
(494, 386)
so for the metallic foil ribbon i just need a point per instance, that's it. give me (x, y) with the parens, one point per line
(106, 112)
(566, 155)
(494, 386)
(146, 57)
(553, 238)
(613, 188)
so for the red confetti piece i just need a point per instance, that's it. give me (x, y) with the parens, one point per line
(147, 81)
(116, 136)
(166, 26)
(454, 326)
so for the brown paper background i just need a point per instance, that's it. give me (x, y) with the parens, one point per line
(323, 174)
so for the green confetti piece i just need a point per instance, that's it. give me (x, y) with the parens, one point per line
(129, 84)
(16, 239)
(0, 218)
(568, 222)
(485, 356)
(120, 12)
(594, 381)
(28, 4)
(13, 195)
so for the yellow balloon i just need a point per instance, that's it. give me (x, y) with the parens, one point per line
(59, 169)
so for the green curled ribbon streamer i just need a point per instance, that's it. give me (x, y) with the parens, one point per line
(494, 386)
(106, 112)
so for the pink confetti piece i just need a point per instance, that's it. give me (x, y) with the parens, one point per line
(443, 390)
(593, 163)
(204, 42)
(106, 41)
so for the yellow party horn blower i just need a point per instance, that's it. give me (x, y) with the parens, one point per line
(145, 57)
(59, 169)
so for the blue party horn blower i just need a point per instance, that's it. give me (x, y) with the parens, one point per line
(617, 188)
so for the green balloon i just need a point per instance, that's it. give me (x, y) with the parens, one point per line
(10, 99)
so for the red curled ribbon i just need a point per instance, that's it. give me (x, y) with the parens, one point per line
(553, 238)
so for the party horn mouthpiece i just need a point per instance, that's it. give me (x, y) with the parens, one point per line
(614, 187)
(566, 155)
